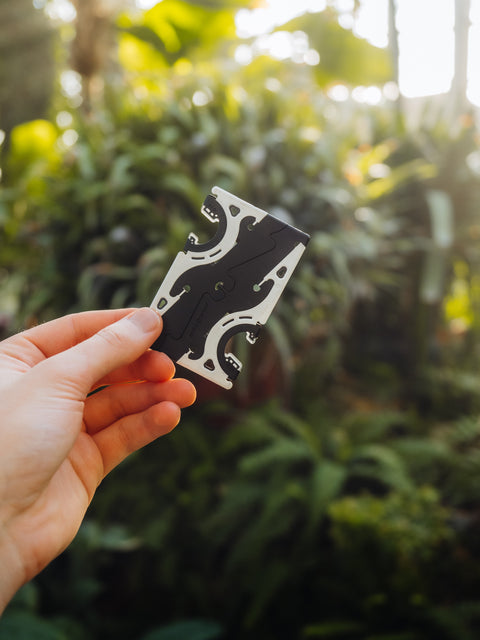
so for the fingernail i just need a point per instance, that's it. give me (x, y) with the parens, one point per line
(145, 319)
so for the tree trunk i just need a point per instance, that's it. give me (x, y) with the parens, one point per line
(393, 38)
(26, 63)
(459, 83)
(92, 46)
(394, 49)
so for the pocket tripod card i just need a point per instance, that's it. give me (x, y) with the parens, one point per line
(225, 286)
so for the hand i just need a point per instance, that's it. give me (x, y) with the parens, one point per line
(57, 442)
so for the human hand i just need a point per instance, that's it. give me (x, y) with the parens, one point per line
(57, 442)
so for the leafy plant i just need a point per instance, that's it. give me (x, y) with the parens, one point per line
(192, 629)
(347, 506)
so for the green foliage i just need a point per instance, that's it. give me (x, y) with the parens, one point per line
(449, 458)
(277, 526)
(193, 630)
(23, 626)
(343, 57)
(403, 531)
(346, 506)
(175, 30)
(288, 473)
(133, 188)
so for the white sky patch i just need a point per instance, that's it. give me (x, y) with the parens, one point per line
(69, 137)
(473, 90)
(426, 43)
(61, 10)
(145, 4)
(372, 22)
(71, 83)
(368, 95)
(339, 93)
(473, 76)
(279, 45)
(277, 12)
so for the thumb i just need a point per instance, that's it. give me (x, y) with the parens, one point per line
(113, 346)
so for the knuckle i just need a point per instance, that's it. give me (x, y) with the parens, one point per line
(111, 337)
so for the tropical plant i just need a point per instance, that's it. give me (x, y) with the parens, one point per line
(342, 507)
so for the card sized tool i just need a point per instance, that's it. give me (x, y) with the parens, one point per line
(227, 285)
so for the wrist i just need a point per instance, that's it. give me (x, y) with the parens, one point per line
(12, 575)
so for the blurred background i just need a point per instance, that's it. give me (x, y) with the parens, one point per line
(335, 491)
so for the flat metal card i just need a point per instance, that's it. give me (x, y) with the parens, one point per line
(225, 286)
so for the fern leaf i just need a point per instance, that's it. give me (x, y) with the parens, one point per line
(372, 427)
(326, 483)
(274, 523)
(383, 464)
(238, 505)
(285, 451)
(267, 586)
(256, 430)
(333, 629)
(420, 450)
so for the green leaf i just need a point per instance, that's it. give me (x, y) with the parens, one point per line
(285, 451)
(420, 450)
(372, 427)
(25, 626)
(281, 340)
(174, 29)
(33, 151)
(255, 430)
(382, 463)
(267, 585)
(239, 503)
(408, 635)
(275, 518)
(332, 629)
(327, 480)
(343, 56)
(147, 35)
(187, 629)
(417, 169)
(181, 185)
(120, 176)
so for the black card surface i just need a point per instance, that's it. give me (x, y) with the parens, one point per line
(225, 286)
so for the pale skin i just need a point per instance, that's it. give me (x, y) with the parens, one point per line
(57, 442)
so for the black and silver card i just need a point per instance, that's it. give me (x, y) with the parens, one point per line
(225, 286)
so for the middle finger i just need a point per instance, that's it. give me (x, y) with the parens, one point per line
(112, 403)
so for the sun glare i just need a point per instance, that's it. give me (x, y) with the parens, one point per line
(426, 36)
(257, 21)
